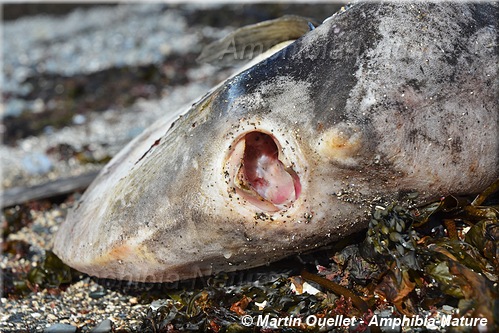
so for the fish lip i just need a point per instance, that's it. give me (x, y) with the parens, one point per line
(233, 165)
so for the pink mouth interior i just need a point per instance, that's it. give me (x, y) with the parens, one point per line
(264, 180)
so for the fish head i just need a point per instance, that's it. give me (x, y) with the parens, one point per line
(214, 190)
(244, 171)
(281, 158)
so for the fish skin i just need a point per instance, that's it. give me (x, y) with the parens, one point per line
(378, 102)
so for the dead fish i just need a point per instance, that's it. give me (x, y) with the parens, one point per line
(380, 102)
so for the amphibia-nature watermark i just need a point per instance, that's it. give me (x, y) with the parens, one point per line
(249, 51)
(443, 321)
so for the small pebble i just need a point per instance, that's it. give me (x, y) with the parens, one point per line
(60, 328)
(97, 294)
(79, 119)
(447, 308)
(104, 327)
(36, 315)
(37, 164)
(157, 304)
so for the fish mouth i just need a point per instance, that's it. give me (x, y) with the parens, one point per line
(256, 171)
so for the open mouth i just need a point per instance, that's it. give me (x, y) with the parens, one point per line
(257, 174)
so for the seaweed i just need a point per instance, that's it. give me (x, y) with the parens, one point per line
(15, 218)
(411, 262)
(455, 260)
(414, 260)
(50, 273)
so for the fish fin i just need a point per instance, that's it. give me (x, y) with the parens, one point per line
(250, 41)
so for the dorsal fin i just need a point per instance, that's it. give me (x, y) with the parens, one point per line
(249, 41)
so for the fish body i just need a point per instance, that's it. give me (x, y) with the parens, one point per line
(380, 102)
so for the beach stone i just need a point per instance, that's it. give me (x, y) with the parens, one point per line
(60, 328)
(104, 327)
(37, 164)
(97, 294)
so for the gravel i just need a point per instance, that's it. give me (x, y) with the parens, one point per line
(86, 41)
(84, 305)
(89, 40)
